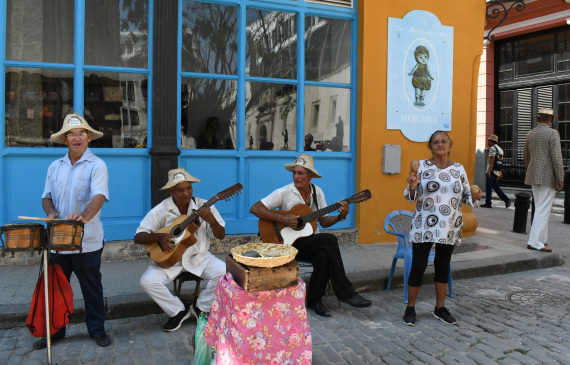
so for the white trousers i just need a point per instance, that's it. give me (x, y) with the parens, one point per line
(154, 282)
(543, 199)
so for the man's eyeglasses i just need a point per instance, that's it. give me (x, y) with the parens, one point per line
(75, 135)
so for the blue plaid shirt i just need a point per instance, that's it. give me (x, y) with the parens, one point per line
(72, 187)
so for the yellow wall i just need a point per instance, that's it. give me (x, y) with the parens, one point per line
(467, 19)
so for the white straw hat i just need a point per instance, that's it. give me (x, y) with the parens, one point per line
(546, 111)
(176, 176)
(305, 161)
(73, 121)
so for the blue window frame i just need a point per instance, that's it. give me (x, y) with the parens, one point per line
(279, 71)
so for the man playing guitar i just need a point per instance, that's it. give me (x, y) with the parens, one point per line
(195, 259)
(321, 249)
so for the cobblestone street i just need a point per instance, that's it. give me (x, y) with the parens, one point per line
(517, 318)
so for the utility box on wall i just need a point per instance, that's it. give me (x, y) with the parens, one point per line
(391, 158)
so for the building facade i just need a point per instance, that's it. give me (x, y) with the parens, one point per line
(228, 89)
(525, 67)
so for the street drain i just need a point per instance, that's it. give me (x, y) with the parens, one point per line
(534, 298)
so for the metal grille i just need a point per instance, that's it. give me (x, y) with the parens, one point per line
(343, 3)
(524, 118)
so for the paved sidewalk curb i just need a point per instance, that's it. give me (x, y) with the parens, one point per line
(136, 305)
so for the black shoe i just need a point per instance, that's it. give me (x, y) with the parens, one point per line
(103, 340)
(357, 301)
(42, 342)
(410, 316)
(507, 203)
(443, 314)
(320, 309)
(174, 323)
(486, 206)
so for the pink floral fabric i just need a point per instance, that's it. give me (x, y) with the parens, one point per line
(260, 327)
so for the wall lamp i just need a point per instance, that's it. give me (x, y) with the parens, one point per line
(494, 9)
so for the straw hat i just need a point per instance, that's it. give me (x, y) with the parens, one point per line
(546, 111)
(176, 176)
(305, 161)
(494, 137)
(73, 121)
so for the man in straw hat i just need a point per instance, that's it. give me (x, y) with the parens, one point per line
(196, 259)
(545, 173)
(494, 172)
(75, 189)
(321, 249)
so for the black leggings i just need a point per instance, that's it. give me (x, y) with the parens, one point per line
(420, 257)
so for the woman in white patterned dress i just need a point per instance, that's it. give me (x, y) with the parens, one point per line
(439, 187)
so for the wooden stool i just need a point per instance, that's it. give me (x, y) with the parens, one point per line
(187, 276)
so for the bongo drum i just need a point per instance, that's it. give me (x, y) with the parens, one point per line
(65, 235)
(22, 237)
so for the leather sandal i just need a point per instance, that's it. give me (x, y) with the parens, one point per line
(544, 249)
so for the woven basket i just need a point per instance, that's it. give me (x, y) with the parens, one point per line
(287, 254)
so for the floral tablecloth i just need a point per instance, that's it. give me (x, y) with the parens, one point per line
(259, 327)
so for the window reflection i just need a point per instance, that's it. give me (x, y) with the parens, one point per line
(327, 49)
(209, 38)
(116, 33)
(123, 120)
(208, 115)
(270, 116)
(40, 30)
(36, 102)
(271, 44)
(327, 119)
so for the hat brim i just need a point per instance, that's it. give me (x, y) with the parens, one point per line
(552, 115)
(56, 137)
(172, 184)
(291, 167)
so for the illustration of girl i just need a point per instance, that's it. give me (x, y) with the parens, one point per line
(422, 77)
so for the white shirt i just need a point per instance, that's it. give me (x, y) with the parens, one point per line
(288, 196)
(196, 256)
(72, 187)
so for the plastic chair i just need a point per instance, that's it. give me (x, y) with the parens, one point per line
(399, 223)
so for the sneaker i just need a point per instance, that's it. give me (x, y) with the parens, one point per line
(508, 203)
(174, 323)
(410, 316)
(357, 301)
(443, 314)
(103, 340)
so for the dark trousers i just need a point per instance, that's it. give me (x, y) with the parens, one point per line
(323, 252)
(87, 269)
(420, 256)
(493, 184)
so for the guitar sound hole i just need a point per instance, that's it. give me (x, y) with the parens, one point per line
(176, 231)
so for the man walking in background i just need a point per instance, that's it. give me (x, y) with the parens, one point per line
(545, 173)
(494, 173)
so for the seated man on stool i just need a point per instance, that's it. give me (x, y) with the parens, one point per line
(321, 249)
(196, 259)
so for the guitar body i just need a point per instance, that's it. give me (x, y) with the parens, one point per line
(270, 230)
(182, 241)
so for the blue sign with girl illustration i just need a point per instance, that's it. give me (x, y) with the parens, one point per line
(420, 75)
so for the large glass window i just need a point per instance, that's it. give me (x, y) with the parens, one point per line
(40, 30)
(268, 84)
(36, 102)
(123, 39)
(40, 80)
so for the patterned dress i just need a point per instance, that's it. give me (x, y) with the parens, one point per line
(439, 195)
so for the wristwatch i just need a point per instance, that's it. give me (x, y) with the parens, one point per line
(340, 219)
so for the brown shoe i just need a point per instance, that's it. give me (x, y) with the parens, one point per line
(544, 249)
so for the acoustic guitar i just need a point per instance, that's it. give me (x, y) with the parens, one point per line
(274, 232)
(183, 229)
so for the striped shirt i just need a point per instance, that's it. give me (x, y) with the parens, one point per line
(72, 187)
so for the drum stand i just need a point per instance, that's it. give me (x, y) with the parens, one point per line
(46, 293)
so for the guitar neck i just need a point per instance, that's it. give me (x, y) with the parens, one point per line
(192, 217)
(319, 213)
